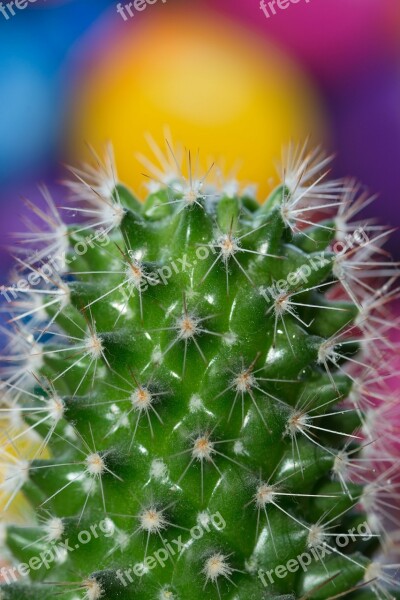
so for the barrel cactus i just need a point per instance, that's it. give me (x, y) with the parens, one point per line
(198, 373)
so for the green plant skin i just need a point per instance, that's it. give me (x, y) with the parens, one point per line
(260, 424)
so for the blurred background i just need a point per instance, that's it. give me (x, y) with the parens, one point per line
(225, 78)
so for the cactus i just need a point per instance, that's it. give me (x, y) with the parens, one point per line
(197, 374)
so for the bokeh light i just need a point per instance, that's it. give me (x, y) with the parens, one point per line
(185, 69)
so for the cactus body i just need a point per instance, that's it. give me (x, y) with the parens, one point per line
(199, 377)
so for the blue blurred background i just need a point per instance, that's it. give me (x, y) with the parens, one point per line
(348, 50)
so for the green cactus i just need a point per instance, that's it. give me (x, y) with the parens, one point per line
(198, 369)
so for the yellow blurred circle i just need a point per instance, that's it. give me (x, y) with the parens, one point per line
(15, 507)
(219, 88)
